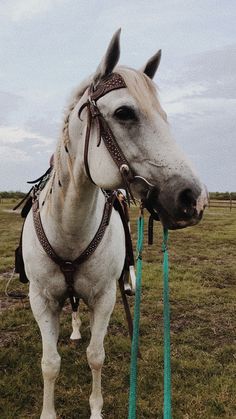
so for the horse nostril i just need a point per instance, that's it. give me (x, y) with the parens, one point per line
(187, 202)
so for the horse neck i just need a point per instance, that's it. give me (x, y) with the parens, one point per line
(73, 210)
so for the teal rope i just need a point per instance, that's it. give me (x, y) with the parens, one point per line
(167, 351)
(135, 339)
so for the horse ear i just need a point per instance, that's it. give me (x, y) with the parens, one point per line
(152, 65)
(110, 59)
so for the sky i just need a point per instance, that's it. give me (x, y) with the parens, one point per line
(47, 47)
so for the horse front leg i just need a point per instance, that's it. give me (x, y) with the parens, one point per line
(76, 324)
(95, 352)
(48, 322)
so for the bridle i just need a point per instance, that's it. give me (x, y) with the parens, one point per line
(113, 82)
(104, 132)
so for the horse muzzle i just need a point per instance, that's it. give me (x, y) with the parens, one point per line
(178, 204)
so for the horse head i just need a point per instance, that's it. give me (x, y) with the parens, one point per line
(158, 171)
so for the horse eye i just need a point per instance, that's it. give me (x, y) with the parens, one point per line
(125, 113)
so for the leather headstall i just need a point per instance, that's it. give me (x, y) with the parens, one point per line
(104, 132)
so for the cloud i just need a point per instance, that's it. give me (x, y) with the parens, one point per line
(12, 154)
(14, 135)
(18, 10)
(9, 104)
(24, 155)
(46, 125)
(174, 93)
(201, 107)
(44, 52)
(199, 97)
(204, 87)
(182, 99)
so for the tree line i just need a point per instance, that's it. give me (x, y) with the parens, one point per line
(213, 195)
(224, 196)
(12, 195)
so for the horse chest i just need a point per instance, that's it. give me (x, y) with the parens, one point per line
(91, 278)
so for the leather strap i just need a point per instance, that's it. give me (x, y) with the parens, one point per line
(129, 257)
(113, 82)
(86, 146)
(150, 230)
(69, 267)
(126, 306)
(111, 144)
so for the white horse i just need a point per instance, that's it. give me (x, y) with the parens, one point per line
(71, 206)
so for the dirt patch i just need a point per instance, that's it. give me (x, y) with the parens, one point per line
(16, 298)
(8, 303)
(8, 337)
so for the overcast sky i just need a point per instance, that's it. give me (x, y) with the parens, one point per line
(48, 46)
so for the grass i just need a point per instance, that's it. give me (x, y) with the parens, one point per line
(203, 324)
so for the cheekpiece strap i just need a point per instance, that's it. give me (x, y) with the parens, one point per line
(113, 82)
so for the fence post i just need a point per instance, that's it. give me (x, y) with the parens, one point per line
(230, 204)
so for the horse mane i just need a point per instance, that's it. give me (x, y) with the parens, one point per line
(64, 138)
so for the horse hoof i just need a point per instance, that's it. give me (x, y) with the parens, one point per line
(48, 415)
(75, 335)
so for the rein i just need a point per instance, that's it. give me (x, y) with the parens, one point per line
(135, 339)
(166, 314)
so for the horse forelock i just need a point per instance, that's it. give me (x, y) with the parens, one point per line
(143, 89)
(139, 85)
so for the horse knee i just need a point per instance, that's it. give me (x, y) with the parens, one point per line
(51, 367)
(95, 357)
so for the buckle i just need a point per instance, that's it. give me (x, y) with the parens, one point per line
(68, 266)
(94, 109)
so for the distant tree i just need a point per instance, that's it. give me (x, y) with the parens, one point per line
(223, 195)
(12, 195)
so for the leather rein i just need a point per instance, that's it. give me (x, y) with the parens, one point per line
(68, 267)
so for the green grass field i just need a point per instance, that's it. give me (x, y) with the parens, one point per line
(203, 333)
